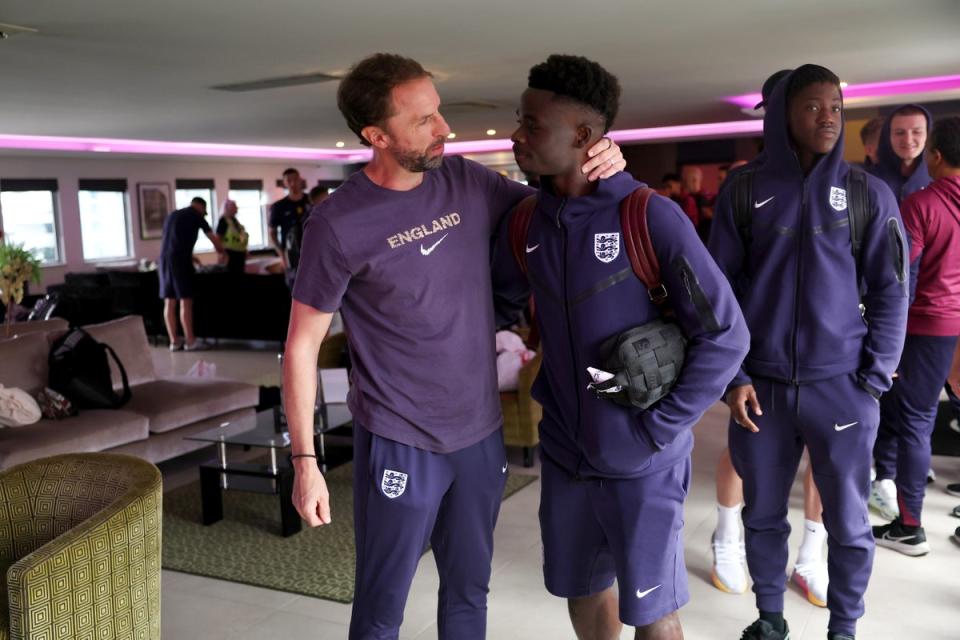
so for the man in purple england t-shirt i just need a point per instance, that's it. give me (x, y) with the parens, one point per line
(402, 248)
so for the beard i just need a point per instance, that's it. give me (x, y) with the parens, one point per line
(418, 161)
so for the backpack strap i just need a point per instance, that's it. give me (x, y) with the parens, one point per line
(859, 214)
(519, 227)
(636, 237)
(126, 394)
(742, 194)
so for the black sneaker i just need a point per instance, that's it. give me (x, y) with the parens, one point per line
(763, 630)
(910, 541)
(954, 489)
(956, 536)
(956, 511)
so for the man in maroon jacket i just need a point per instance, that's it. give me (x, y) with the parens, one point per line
(932, 218)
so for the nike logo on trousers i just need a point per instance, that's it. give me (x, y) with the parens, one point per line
(842, 427)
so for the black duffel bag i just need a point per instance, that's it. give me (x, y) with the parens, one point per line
(80, 370)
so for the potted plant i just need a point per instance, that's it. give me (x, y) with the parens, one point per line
(17, 266)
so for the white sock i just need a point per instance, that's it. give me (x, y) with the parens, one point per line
(811, 549)
(728, 523)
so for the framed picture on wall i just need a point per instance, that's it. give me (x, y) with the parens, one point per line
(155, 205)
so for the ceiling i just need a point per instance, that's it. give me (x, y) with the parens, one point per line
(136, 69)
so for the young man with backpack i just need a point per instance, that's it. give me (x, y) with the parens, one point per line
(402, 248)
(816, 253)
(599, 258)
(932, 219)
(729, 573)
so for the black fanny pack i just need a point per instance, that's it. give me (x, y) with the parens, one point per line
(645, 362)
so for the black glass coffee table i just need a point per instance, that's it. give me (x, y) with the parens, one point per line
(265, 430)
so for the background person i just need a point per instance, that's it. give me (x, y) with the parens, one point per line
(233, 237)
(176, 269)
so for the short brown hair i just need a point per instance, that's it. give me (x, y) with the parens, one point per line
(871, 129)
(364, 94)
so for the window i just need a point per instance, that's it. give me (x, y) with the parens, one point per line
(28, 210)
(104, 224)
(248, 194)
(186, 191)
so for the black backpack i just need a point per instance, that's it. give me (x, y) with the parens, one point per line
(79, 370)
(859, 212)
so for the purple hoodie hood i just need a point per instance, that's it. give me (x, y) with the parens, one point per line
(888, 165)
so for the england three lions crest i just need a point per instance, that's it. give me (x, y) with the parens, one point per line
(606, 246)
(393, 484)
(838, 198)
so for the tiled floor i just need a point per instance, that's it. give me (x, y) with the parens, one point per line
(908, 597)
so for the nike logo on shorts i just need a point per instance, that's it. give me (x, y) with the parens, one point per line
(838, 427)
(757, 205)
(533, 248)
(427, 252)
(643, 594)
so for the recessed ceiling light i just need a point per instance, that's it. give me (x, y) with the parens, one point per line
(451, 135)
(491, 132)
(341, 144)
(843, 85)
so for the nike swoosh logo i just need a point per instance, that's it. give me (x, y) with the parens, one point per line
(644, 594)
(427, 252)
(757, 205)
(900, 539)
(504, 468)
(533, 248)
(838, 427)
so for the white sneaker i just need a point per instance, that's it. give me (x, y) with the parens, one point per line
(883, 499)
(813, 580)
(729, 572)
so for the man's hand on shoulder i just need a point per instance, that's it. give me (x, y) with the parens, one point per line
(606, 160)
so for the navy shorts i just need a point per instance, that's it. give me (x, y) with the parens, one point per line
(597, 530)
(176, 278)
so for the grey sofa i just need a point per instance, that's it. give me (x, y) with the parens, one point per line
(153, 425)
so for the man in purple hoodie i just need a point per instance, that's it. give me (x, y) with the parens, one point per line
(403, 250)
(614, 477)
(932, 219)
(817, 360)
(900, 154)
(900, 165)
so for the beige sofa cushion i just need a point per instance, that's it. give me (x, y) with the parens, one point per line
(23, 362)
(175, 402)
(92, 430)
(128, 338)
(39, 326)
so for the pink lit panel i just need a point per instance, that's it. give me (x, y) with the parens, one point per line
(874, 89)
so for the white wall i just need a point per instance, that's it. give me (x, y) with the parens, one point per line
(69, 169)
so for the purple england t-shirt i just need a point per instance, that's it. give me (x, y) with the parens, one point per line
(410, 273)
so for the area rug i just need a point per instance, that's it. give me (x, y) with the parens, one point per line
(246, 545)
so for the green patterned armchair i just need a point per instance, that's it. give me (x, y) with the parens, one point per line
(80, 548)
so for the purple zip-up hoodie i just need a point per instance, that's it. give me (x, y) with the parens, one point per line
(888, 165)
(587, 292)
(797, 286)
